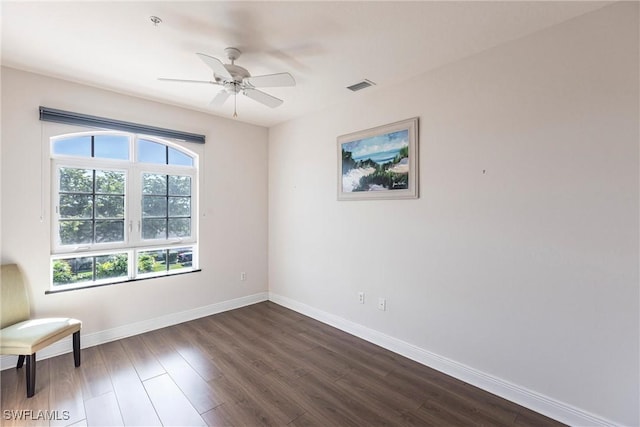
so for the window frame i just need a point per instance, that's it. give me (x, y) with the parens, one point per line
(133, 242)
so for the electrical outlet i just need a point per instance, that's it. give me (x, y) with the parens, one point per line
(361, 297)
(382, 304)
(243, 276)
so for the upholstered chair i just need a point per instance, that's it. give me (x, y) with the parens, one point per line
(22, 336)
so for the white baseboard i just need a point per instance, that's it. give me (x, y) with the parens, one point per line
(522, 396)
(101, 337)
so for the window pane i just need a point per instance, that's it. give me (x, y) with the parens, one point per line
(109, 231)
(179, 206)
(179, 227)
(109, 182)
(152, 261)
(72, 270)
(179, 185)
(185, 256)
(109, 206)
(74, 180)
(76, 206)
(111, 147)
(154, 206)
(154, 184)
(76, 232)
(179, 158)
(116, 265)
(77, 146)
(173, 259)
(151, 152)
(154, 228)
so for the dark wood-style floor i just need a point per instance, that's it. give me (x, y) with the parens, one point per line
(258, 365)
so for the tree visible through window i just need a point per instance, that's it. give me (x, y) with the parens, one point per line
(127, 204)
(91, 206)
(166, 206)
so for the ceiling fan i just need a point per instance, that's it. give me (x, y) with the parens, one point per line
(235, 79)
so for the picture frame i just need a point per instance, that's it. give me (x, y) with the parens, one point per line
(379, 163)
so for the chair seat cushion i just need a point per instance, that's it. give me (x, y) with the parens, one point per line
(32, 335)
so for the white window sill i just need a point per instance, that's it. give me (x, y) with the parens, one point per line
(98, 285)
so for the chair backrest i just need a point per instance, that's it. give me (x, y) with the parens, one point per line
(14, 298)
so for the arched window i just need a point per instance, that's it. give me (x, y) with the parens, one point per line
(124, 207)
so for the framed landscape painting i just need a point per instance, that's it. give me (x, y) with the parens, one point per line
(379, 163)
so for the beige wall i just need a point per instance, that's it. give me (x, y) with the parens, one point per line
(528, 272)
(233, 202)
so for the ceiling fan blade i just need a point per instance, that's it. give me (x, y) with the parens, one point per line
(215, 64)
(263, 98)
(188, 81)
(220, 98)
(271, 80)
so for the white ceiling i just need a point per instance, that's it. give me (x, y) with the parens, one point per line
(326, 46)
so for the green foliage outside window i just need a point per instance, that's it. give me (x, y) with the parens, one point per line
(76, 270)
(111, 266)
(61, 272)
(91, 206)
(146, 263)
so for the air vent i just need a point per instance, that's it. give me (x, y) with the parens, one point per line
(360, 85)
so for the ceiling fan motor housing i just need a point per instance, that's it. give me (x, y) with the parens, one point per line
(238, 73)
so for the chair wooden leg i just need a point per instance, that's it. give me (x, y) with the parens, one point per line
(76, 348)
(20, 361)
(31, 374)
